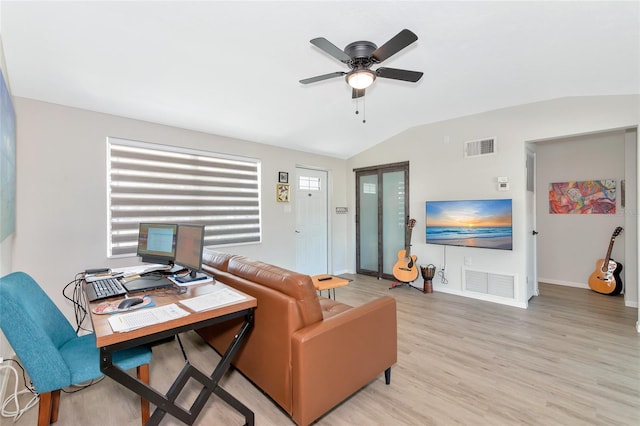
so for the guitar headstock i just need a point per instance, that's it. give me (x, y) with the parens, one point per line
(617, 232)
(411, 224)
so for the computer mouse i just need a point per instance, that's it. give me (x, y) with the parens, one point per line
(129, 302)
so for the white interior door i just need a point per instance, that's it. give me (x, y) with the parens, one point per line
(532, 246)
(311, 221)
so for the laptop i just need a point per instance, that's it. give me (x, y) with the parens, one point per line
(147, 283)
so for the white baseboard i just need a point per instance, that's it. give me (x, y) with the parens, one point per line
(565, 283)
(480, 296)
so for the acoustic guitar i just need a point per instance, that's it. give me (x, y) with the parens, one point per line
(606, 278)
(405, 270)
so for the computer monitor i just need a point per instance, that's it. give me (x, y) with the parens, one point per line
(189, 247)
(157, 242)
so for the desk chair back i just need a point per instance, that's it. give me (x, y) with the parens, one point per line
(48, 347)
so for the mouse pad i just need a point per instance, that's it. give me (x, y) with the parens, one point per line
(112, 307)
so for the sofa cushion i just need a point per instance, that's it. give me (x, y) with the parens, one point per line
(217, 259)
(295, 285)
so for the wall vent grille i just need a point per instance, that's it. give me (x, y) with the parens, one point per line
(479, 147)
(501, 285)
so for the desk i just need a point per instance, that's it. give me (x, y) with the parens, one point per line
(109, 342)
(330, 284)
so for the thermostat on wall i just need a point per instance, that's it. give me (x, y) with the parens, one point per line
(503, 183)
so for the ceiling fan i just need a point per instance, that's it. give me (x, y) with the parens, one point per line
(360, 56)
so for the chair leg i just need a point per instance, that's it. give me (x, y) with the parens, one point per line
(143, 374)
(44, 409)
(55, 405)
(48, 408)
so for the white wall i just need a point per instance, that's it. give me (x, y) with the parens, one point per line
(568, 244)
(61, 192)
(61, 206)
(439, 171)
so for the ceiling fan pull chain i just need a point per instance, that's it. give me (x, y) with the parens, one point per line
(364, 111)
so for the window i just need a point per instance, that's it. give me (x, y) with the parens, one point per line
(309, 183)
(369, 188)
(158, 183)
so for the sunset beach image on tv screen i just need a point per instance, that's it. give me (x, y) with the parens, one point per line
(470, 223)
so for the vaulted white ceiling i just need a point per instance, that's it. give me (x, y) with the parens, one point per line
(232, 68)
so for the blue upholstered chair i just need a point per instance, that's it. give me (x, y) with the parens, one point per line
(48, 347)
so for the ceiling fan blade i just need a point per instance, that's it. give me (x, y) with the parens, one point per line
(322, 77)
(396, 74)
(331, 49)
(393, 46)
(357, 93)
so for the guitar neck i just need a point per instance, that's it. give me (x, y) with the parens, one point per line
(407, 236)
(613, 238)
(407, 247)
(608, 257)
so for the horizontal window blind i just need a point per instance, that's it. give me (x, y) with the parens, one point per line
(163, 184)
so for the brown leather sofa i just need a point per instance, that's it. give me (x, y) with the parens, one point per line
(308, 353)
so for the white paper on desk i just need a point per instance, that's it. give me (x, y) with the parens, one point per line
(219, 297)
(145, 317)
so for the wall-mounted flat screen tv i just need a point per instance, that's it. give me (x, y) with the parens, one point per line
(470, 223)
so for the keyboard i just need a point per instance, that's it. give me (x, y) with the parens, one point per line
(104, 288)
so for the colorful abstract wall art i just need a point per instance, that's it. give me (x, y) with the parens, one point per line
(583, 197)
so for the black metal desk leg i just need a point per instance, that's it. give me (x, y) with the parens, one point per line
(166, 404)
(239, 406)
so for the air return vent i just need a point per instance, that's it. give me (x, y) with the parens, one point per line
(492, 284)
(479, 147)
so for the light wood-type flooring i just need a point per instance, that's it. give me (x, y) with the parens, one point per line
(572, 358)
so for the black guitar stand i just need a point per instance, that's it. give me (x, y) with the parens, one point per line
(398, 284)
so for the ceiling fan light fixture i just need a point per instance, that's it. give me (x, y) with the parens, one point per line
(360, 79)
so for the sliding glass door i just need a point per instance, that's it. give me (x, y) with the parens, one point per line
(382, 203)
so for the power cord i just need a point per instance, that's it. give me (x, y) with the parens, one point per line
(443, 278)
(441, 273)
(80, 304)
(82, 386)
(13, 398)
(79, 301)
